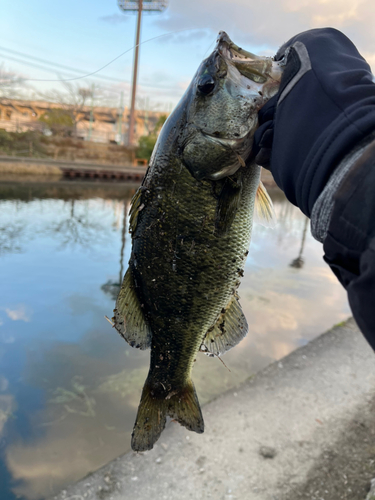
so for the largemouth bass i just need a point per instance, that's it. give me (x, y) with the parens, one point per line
(191, 224)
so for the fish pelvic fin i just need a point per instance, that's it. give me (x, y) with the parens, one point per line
(128, 316)
(263, 210)
(181, 405)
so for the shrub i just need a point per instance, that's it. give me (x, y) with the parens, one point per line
(59, 121)
(147, 142)
(21, 143)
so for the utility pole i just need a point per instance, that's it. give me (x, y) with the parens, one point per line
(120, 113)
(135, 74)
(138, 6)
(91, 111)
(147, 104)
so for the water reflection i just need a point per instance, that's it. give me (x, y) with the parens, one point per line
(11, 238)
(69, 385)
(112, 287)
(298, 262)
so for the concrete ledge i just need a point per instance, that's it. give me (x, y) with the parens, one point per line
(77, 169)
(20, 160)
(262, 440)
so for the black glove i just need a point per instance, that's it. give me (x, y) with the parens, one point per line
(324, 107)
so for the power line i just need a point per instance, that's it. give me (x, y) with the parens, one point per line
(50, 63)
(110, 62)
(50, 70)
(34, 65)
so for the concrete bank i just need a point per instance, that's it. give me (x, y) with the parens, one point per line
(82, 170)
(301, 428)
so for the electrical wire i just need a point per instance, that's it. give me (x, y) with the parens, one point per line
(34, 65)
(110, 62)
(11, 58)
(50, 63)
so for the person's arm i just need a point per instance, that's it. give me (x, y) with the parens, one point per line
(317, 136)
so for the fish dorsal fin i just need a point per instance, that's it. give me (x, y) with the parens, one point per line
(128, 317)
(263, 209)
(230, 328)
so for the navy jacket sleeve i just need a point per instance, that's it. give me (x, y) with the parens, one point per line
(350, 242)
(325, 106)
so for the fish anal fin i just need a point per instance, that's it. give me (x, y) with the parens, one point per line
(263, 209)
(181, 405)
(128, 317)
(230, 328)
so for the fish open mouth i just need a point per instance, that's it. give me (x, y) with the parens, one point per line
(259, 69)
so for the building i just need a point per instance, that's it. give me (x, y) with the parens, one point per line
(104, 126)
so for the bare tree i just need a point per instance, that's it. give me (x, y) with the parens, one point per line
(72, 100)
(10, 84)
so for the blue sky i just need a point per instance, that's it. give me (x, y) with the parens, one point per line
(87, 34)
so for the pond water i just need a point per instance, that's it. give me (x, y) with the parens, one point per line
(69, 384)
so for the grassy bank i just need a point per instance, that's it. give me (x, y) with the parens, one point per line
(24, 168)
(33, 144)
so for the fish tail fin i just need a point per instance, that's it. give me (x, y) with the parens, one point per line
(182, 405)
(150, 421)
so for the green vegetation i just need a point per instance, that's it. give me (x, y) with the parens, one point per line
(78, 399)
(63, 145)
(28, 143)
(341, 323)
(59, 121)
(147, 142)
(146, 146)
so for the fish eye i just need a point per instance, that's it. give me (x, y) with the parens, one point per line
(206, 84)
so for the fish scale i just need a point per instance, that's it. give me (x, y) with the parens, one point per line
(200, 267)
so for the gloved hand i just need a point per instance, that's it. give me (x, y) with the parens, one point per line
(325, 106)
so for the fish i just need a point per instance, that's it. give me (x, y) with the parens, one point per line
(190, 223)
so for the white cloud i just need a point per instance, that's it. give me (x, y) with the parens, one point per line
(4, 383)
(21, 313)
(7, 338)
(270, 23)
(7, 405)
(186, 36)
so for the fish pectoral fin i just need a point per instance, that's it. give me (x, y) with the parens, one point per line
(128, 317)
(227, 205)
(230, 328)
(134, 210)
(263, 209)
(181, 405)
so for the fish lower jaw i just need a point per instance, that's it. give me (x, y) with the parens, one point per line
(240, 148)
(228, 143)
